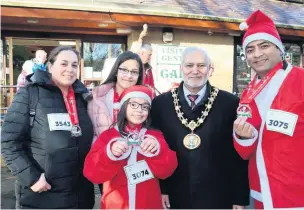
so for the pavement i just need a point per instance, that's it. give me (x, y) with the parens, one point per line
(7, 189)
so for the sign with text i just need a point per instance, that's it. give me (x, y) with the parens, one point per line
(169, 58)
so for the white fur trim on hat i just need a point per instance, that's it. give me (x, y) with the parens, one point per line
(263, 36)
(136, 94)
(243, 26)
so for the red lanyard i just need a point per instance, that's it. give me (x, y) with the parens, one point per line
(134, 128)
(70, 104)
(254, 89)
(115, 109)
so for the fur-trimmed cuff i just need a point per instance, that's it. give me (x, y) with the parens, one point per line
(246, 142)
(113, 157)
(149, 154)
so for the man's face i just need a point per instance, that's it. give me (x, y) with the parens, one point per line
(145, 56)
(195, 69)
(262, 56)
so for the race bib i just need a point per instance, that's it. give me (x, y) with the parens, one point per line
(138, 172)
(281, 121)
(59, 122)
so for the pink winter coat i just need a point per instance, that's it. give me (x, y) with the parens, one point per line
(100, 109)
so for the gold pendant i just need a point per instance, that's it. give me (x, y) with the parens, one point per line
(192, 141)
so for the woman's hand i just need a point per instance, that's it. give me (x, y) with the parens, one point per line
(149, 145)
(41, 185)
(119, 148)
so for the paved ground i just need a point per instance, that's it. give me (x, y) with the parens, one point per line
(8, 194)
(7, 189)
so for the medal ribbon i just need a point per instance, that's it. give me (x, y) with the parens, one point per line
(115, 101)
(70, 104)
(254, 89)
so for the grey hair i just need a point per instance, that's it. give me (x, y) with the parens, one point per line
(39, 52)
(189, 50)
(146, 47)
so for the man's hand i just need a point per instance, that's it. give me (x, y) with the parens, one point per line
(243, 129)
(144, 31)
(238, 207)
(41, 185)
(165, 201)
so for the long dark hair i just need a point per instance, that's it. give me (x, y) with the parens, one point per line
(122, 119)
(128, 55)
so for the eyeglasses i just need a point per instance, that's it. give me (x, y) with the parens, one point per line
(135, 105)
(126, 71)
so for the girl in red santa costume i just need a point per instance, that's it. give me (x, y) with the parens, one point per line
(129, 158)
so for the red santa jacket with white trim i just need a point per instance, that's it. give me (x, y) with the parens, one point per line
(101, 166)
(276, 163)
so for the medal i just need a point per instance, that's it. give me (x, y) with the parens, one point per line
(133, 139)
(76, 131)
(244, 110)
(192, 141)
(70, 104)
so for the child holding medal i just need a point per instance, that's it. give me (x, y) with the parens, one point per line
(130, 157)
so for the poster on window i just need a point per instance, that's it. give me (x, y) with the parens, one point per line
(167, 70)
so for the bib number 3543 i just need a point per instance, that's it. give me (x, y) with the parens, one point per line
(281, 121)
(138, 172)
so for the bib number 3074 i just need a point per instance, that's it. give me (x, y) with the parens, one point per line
(281, 121)
(138, 172)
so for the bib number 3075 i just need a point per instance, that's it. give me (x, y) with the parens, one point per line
(281, 121)
(138, 172)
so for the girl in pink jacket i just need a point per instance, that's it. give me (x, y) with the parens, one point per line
(127, 71)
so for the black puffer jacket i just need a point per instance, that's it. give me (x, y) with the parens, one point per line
(30, 151)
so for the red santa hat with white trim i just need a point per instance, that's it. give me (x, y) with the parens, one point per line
(260, 27)
(137, 91)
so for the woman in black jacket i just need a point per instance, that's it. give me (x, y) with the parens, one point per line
(45, 144)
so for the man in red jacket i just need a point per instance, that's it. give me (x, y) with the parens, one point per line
(269, 131)
(145, 54)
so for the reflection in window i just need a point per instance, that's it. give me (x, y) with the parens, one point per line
(293, 54)
(243, 73)
(98, 61)
(95, 54)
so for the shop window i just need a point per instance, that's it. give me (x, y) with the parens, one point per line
(293, 54)
(98, 60)
(242, 73)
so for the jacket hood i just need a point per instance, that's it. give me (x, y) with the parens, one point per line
(102, 90)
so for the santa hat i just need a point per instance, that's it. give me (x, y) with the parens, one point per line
(260, 27)
(137, 91)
